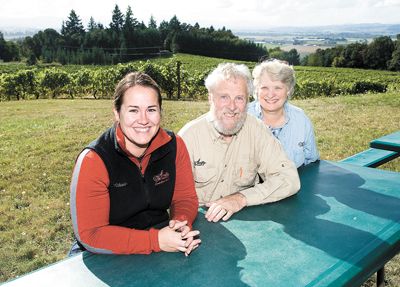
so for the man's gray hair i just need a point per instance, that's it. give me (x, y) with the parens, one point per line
(227, 71)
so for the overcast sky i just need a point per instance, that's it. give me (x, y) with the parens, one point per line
(233, 14)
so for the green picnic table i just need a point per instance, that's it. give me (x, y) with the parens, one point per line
(341, 228)
(389, 142)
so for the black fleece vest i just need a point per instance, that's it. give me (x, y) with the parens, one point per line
(138, 200)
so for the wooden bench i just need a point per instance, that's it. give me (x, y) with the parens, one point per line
(371, 157)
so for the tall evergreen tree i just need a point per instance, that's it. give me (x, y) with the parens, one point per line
(72, 31)
(8, 50)
(3, 45)
(73, 25)
(117, 20)
(174, 24)
(130, 22)
(129, 27)
(152, 23)
(92, 24)
(116, 36)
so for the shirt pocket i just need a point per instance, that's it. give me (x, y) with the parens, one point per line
(244, 175)
(204, 176)
(298, 156)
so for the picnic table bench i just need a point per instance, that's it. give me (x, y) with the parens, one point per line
(383, 150)
(388, 142)
(342, 227)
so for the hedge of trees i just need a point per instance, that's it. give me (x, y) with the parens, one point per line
(381, 54)
(175, 81)
(9, 50)
(54, 82)
(126, 39)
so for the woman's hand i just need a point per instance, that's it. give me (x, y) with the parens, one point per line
(177, 236)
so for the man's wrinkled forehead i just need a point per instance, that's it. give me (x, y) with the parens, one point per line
(234, 79)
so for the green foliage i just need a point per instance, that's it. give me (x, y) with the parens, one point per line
(317, 81)
(72, 27)
(380, 54)
(55, 81)
(215, 44)
(309, 88)
(361, 87)
(19, 85)
(126, 39)
(394, 63)
(9, 50)
(31, 60)
(180, 77)
(292, 57)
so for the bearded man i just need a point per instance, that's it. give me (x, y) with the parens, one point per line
(236, 160)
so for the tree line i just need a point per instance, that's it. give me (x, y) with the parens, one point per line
(381, 54)
(127, 39)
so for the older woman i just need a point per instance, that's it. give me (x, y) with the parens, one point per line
(274, 83)
(125, 181)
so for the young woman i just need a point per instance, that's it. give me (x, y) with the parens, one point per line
(125, 182)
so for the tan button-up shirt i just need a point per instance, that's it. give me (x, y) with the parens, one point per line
(221, 168)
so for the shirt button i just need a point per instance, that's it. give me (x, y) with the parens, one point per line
(222, 180)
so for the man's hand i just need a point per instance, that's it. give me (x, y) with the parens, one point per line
(177, 236)
(225, 207)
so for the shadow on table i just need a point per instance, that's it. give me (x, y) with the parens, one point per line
(304, 217)
(174, 269)
(300, 214)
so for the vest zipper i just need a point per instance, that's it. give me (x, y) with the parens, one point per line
(146, 190)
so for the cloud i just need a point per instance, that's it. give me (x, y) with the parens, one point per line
(385, 3)
(223, 4)
(232, 14)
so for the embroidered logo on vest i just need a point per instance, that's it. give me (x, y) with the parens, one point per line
(120, 184)
(199, 162)
(160, 178)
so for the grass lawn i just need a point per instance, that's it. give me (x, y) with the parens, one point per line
(40, 139)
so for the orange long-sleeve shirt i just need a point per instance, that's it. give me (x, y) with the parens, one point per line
(90, 203)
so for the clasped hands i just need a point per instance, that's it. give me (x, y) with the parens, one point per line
(225, 207)
(177, 236)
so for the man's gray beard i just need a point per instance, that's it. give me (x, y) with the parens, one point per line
(229, 132)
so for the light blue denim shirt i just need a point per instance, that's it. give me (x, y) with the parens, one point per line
(296, 135)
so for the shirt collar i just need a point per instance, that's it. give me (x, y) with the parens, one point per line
(158, 140)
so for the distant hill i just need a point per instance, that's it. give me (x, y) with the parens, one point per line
(346, 30)
(17, 32)
(366, 30)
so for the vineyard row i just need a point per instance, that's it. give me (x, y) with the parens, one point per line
(175, 81)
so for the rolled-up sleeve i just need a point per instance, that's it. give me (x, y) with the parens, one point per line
(311, 153)
(279, 175)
